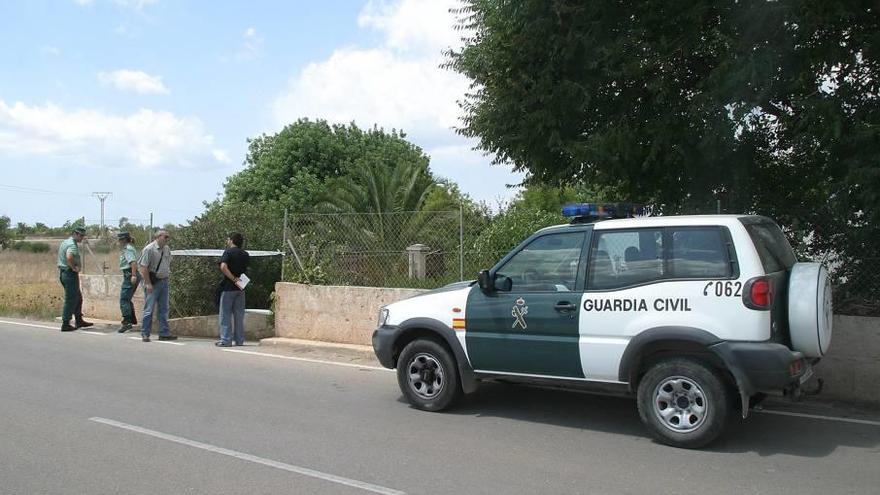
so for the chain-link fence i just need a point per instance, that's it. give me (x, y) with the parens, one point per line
(853, 265)
(400, 249)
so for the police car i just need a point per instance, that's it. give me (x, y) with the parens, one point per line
(695, 316)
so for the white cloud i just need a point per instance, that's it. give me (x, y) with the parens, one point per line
(134, 80)
(413, 25)
(51, 50)
(252, 45)
(398, 83)
(375, 86)
(145, 139)
(221, 156)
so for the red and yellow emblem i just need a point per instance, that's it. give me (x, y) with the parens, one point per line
(458, 323)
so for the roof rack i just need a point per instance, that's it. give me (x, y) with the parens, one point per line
(594, 212)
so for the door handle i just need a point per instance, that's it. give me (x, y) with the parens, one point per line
(563, 306)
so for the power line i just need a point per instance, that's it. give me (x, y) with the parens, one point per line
(32, 190)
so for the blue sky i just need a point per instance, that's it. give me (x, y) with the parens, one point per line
(153, 100)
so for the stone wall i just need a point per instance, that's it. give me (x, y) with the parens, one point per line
(331, 314)
(851, 369)
(101, 297)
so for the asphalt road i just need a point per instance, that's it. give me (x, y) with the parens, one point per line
(87, 413)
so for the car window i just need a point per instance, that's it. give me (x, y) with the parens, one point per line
(698, 252)
(624, 258)
(773, 248)
(547, 264)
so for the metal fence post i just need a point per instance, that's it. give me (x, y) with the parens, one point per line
(461, 241)
(283, 243)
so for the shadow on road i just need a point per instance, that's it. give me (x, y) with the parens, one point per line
(763, 434)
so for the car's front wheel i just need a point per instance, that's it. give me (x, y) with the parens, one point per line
(427, 375)
(683, 402)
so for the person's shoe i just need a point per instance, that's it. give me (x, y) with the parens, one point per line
(222, 344)
(145, 338)
(168, 337)
(239, 345)
(84, 324)
(67, 328)
(125, 327)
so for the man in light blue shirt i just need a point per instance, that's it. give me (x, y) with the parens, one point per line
(155, 268)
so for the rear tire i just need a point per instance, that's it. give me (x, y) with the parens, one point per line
(427, 375)
(684, 403)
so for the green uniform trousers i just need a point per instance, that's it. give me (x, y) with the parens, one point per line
(125, 295)
(72, 296)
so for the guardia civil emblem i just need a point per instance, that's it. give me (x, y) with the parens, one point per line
(519, 312)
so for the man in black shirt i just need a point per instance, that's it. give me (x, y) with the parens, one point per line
(233, 264)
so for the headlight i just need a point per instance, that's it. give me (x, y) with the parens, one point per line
(383, 316)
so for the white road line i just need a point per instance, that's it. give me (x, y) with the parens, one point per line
(90, 332)
(251, 458)
(159, 341)
(815, 416)
(29, 325)
(307, 360)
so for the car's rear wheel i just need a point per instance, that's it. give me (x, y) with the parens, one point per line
(683, 402)
(427, 375)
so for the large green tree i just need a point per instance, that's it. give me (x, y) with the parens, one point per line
(681, 103)
(291, 168)
(762, 106)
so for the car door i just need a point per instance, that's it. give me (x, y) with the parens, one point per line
(531, 329)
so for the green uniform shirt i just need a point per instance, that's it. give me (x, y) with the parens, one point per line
(127, 255)
(68, 246)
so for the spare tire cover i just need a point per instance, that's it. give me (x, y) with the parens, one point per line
(809, 309)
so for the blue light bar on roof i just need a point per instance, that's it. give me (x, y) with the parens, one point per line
(606, 210)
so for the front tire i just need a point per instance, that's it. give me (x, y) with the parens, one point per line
(427, 375)
(684, 403)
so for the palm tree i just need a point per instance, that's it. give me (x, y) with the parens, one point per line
(370, 215)
(376, 203)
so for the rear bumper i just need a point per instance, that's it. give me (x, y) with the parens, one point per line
(764, 367)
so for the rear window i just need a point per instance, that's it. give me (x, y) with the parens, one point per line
(699, 252)
(773, 248)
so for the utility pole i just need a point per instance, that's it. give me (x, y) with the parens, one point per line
(102, 197)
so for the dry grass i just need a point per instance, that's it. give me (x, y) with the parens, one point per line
(29, 285)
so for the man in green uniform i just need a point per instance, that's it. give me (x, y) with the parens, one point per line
(128, 258)
(69, 265)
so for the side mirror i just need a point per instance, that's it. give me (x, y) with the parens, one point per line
(502, 283)
(486, 281)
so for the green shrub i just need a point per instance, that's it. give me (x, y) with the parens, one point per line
(31, 247)
(194, 280)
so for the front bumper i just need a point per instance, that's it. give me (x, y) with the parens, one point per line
(383, 344)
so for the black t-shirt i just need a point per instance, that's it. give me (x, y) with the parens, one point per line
(236, 260)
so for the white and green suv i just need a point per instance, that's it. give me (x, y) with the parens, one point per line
(693, 315)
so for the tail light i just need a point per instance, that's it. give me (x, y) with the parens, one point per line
(795, 367)
(758, 293)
